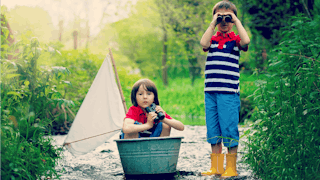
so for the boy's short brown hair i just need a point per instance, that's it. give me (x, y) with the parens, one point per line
(149, 85)
(224, 4)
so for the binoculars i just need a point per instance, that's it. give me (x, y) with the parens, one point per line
(227, 18)
(152, 108)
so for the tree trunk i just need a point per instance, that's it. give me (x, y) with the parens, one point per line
(60, 30)
(164, 58)
(88, 35)
(87, 24)
(75, 42)
(194, 68)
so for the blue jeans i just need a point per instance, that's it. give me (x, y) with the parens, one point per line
(222, 118)
(155, 131)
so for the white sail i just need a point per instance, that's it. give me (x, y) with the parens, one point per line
(102, 111)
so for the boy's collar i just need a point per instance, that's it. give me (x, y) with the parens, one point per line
(140, 110)
(230, 34)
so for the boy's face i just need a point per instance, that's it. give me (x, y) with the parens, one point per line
(144, 97)
(223, 26)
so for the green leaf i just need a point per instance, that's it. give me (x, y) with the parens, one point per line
(9, 76)
(67, 82)
(313, 94)
(14, 93)
(26, 83)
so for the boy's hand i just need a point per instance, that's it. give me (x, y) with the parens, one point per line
(234, 18)
(159, 109)
(150, 119)
(214, 21)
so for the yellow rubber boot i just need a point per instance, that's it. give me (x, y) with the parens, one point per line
(216, 165)
(231, 168)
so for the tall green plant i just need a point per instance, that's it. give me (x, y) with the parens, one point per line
(28, 87)
(286, 137)
(27, 91)
(24, 153)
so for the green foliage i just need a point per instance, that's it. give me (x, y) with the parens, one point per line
(27, 91)
(247, 89)
(5, 35)
(24, 153)
(142, 44)
(183, 101)
(188, 20)
(268, 17)
(83, 66)
(285, 140)
(139, 41)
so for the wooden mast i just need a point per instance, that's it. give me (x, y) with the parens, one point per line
(118, 81)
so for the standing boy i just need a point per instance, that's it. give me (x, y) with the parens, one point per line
(222, 101)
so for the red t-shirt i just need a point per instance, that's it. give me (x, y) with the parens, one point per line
(221, 40)
(137, 114)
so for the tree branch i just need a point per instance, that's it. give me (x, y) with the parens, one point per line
(305, 6)
(316, 86)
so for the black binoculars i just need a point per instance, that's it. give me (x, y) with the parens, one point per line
(152, 108)
(227, 18)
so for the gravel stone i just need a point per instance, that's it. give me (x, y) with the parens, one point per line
(104, 162)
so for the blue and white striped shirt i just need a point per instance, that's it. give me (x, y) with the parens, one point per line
(222, 65)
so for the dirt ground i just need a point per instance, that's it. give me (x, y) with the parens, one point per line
(104, 162)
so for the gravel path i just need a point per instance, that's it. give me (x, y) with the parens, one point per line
(104, 162)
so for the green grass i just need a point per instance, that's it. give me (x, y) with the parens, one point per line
(183, 101)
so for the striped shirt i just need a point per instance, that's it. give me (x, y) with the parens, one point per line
(222, 65)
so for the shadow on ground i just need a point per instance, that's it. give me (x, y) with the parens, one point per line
(174, 176)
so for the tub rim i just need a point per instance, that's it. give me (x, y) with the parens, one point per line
(148, 139)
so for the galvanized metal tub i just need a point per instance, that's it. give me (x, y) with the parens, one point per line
(156, 155)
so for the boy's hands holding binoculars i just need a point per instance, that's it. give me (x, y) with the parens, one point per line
(150, 118)
(159, 109)
(226, 17)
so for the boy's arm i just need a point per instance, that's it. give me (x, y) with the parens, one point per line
(170, 122)
(245, 40)
(174, 123)
(206, 37)
(130, 127)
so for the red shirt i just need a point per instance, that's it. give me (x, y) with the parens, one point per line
(229, 37)
(137, 114)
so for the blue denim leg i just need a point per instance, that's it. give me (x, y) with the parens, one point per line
(228, 112)
(156, 133)
(122, 134)
(212, 119)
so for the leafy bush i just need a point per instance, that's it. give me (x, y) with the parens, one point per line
(247, 89)
(285, 141)
(24, 153)
(83, 67)
(28, 94)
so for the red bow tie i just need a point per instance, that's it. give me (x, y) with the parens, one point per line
(222, 40)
